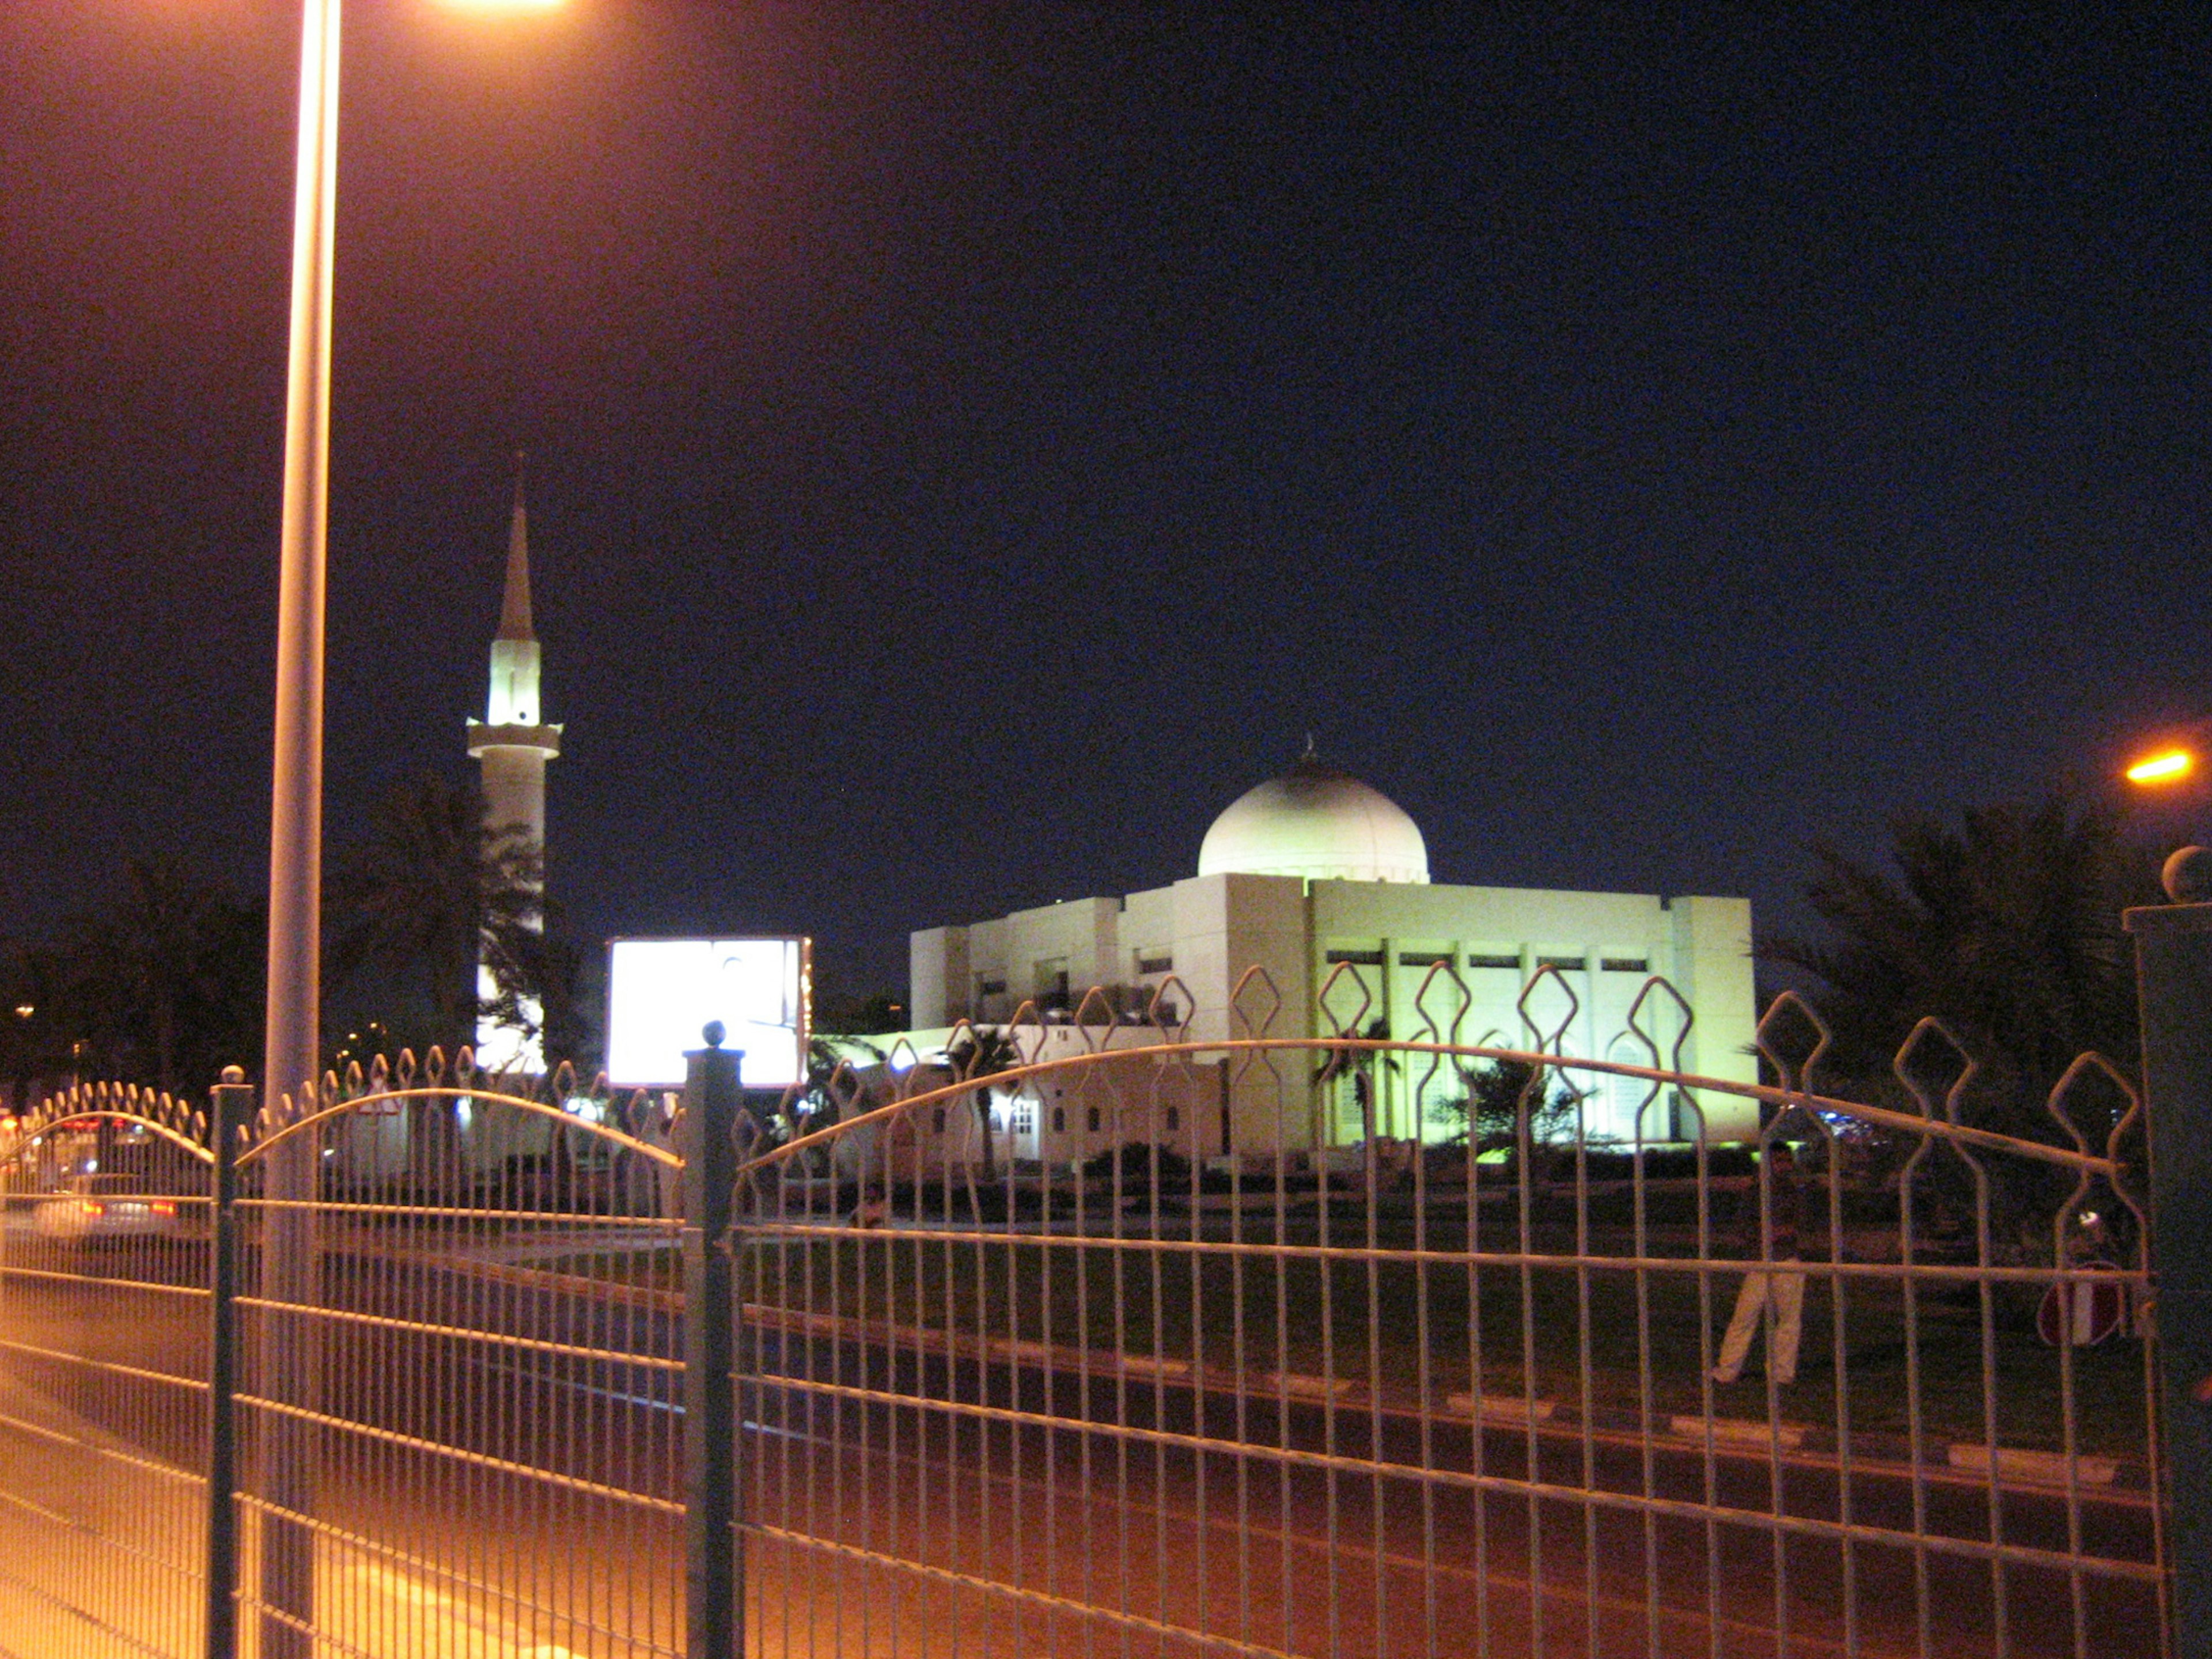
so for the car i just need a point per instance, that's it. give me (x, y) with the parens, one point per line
(105, 1206)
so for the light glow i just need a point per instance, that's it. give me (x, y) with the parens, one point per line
(2167, 766)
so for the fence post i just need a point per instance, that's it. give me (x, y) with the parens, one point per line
(288, 1371)
(2173, 968)
(231, 1106)
(714, 1576)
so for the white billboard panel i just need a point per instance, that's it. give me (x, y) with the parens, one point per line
(662, 992)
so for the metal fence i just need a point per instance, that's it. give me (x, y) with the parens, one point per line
(853, 1374)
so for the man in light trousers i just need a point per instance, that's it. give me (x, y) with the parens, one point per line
(1777, 1282)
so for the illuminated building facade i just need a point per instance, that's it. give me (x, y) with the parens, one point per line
(1322, 883)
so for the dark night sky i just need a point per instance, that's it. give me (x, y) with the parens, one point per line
(973, 443)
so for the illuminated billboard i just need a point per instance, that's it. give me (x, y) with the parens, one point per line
(662, 992)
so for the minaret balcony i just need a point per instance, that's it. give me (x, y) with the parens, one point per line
(546, 739)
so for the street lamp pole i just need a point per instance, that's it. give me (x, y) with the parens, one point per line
(288, 1256)
(295, 827)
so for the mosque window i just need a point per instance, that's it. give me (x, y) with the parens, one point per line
(1174, 1119)
(936, 1122)
(1356, 958)
(1626, 964)
(1565, 964)
(991, 987)
(1060, 1119)
(1162, 963)
(1090, 1120)
(1479, 960)
(1424, 958)
(1025, 1117)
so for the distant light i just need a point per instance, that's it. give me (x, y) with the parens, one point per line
(24, 1011)
(2167, 766)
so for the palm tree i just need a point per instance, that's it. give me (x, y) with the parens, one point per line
(164, 986)
(431, 891)
(2007, 928)
(1359, 1065)
(984, 1051)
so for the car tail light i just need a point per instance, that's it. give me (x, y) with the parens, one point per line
(93, 1207)
(162, 1207)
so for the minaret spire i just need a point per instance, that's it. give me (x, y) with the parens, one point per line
(514, 606)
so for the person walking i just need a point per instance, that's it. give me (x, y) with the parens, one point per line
(1776, 1282)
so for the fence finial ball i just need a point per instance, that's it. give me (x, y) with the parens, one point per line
(233, 1074)
(2188, 876)
(715, 1032)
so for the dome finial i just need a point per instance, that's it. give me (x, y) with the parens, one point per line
(1309, 754)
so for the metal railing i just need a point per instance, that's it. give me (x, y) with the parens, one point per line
(555, 1372)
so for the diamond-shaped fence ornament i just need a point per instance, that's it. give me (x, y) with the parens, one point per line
(1095, 1018)
(845, 1091)
(1793, 1036)
(1658, 1010)
(1345, 999)
(1935, 1068)
(1547, 1006)
(2091, 1102)
(1026, 1032)
(1256, 1002)
(1169, 1009)
(904, 1062)
(1442, 1003)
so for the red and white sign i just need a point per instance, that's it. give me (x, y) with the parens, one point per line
(2082, 1314)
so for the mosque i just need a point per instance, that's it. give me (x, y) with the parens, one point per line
(1311, 915)
(1321, 884)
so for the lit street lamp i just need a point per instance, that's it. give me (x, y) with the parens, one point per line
(295, 830)
(2161, 766)
(291, 1046)
(2187, 876)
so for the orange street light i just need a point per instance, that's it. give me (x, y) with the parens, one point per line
(2166, 765)
(295, 839)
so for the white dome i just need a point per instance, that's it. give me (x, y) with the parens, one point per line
(1317, 823)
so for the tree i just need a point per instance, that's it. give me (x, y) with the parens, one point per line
(1496, 1093)
(984, 1051)
(1359, 1065)
(2007, 928)
(164, 986)
(428, 893)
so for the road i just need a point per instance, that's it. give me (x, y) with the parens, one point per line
(904, 1505)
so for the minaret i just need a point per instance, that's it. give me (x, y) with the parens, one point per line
(513, 742)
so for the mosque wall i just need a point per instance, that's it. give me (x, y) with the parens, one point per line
(1342, 935)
